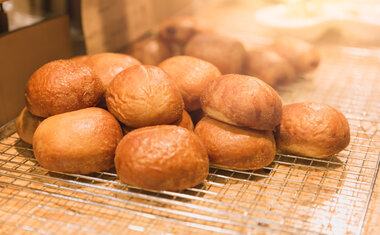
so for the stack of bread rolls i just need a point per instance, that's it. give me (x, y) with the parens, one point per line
(91, 113)
(242, 112)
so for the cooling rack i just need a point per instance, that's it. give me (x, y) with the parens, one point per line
(294, 194)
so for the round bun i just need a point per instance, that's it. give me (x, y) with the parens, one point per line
(302, 55)
(150, 51)
(242, 101)
(312, 129)
(162, 157)
(269, 66)
(225, 53)
(62, 86)
(80, 58)
(144, 95)
(107, 65)
(26, 125)
(185, 121)
(191, 76)
(234, 147)
(82, 141)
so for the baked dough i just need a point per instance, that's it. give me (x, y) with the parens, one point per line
(144, 95)
(164, 157)
(312, 129)
(82, 141)
(242, 101)
(234, 147)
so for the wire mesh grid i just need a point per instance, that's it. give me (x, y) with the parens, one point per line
(294, 194)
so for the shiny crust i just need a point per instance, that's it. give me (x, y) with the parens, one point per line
(150, 51)
(234, 147)
(144, 95)
(62, 86)
(107, 65)
(227, 54)
(268, 66)
(242, 101)
(185, 121)
(82, 141)
(26, 125)
(312, 129)
(191, 76)
(302, 55)
(161, 158)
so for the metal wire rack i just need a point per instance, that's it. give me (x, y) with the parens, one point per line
(292, 195)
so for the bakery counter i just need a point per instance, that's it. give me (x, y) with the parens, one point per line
(294, 194)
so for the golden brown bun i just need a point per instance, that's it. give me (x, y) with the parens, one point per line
(177, 31)
(150, 51)
(191, 76)
(268, 66)
(185, 121)
(144, 95)
(197, 115)
(242, 101)
(107, 65)
(162, 157)
(302, 55)
(225, 53)
(312, 129)
(234, 147)
(80, 58)
(82, 141)
(62, 86)
(26, 125)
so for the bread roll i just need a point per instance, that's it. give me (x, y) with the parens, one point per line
(312, 129)
(144, 95)
(234, 147)
(268, 66)
(107, 65)
(225, 53)
(177, 31)
(185, 121)
(26, 125)
(242, 101)
(62, 86)
(161, 158)
(191, 76)
(302, 55)
(150, 51)
(82, 141)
